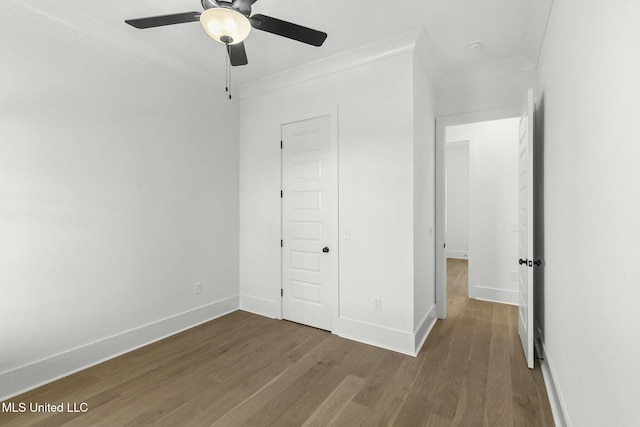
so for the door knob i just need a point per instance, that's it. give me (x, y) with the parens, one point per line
(523, 261)
(325, 249)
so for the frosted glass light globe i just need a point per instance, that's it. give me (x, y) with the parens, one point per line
(225, 25)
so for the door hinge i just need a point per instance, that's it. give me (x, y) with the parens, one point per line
(281, 292)
(281, 194)
(281, 243)
(281, 144)
(444, 245)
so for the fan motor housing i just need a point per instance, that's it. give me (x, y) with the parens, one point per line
(242, 6)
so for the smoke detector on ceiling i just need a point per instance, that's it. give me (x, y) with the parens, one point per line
(474, 46)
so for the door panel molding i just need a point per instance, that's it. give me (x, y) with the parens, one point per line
(309, 221)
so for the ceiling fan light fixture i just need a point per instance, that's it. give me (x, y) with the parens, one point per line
(225, 25)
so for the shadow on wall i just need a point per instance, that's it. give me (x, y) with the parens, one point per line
(538, 278)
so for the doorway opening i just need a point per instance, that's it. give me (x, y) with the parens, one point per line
(457, 195)
(477, 207)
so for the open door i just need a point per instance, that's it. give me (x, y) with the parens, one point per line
(525, 235)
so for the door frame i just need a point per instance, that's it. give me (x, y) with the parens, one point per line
(441, 194)
(299, 116)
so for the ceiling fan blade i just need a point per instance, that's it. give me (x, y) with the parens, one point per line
(237, 54)
(288, 30)
(159, 21)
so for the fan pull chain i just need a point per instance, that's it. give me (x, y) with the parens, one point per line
(226, 73)
(229, 80)
(227, 70)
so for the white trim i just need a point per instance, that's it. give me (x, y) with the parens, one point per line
(537, 29)
(299, 115)
(424, 329)
(452, 253)
(502, 296)
(120, 39)
(261, 306)
(389, 338)
(558, 407)
(388, 48)
(493, 70)
(28, 377)
(376, 335)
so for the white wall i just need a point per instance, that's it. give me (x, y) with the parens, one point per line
(591, 151)
(375, 107)
(458, 199)
(490, 94)
(119, 191)
(493, 207)
(423, 193)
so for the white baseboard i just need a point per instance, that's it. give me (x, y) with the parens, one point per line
(423, 330)
(380, 336)
(558, 409)
(501, 296)
(457, 254)
(28, 377)
(261, 306)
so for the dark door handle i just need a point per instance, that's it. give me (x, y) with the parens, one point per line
(325, 250)
(523, 261)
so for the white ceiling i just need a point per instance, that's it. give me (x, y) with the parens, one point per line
(510, 30)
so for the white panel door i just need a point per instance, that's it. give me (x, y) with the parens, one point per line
(525, 236)
(309, 222)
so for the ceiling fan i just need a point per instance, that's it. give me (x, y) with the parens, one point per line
(230, 21)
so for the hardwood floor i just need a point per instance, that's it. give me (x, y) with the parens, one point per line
(246, 370)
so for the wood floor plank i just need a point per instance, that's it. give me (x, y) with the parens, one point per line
(247, 380)
(472, 399)
(414, 411)
(247, 370)
(284, 407)
(352, 415)
(279, 391)
(437, 421)
(543, 398)
(388, 405)
(357, 362)
(498, 411)
(471, 404)
(373, 388)
(332, 407)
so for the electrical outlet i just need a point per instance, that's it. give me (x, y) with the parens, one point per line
(514, 276)
(198, 288)
(377, 303)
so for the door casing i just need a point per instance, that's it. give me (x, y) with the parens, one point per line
(441, 201)
(302, 115)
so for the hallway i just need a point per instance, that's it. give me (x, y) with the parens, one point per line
(476, 365)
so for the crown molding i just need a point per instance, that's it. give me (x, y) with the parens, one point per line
(89, 28)
(537, 29)
(494, 70)
(388, 48)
